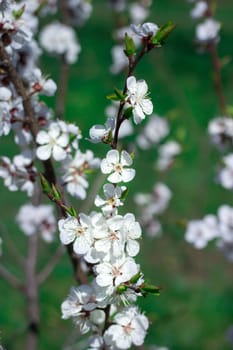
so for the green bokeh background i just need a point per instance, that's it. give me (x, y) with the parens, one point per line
(196, 304)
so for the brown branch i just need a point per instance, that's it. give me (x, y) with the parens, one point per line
(10, 243)
(62, 90)
(31, 293)
(10, 278)
(216, 63)
(44, 274)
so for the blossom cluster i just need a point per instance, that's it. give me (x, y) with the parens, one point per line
(137, 12)
(207, 30)
(108, 243)
(218, 227)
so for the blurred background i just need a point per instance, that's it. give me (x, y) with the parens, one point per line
(195, 308)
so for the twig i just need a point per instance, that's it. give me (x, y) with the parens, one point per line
(44, 274)
(31, 293)
(10, 278)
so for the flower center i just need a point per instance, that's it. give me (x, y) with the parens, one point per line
(118, 168)
(127, 328)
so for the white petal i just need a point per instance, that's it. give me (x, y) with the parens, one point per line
(147, 106)
(63, 140)
(128, 175)
(81, 245)
(131, 84)
(106, 167)
(42, 137)
(59, 153)
(67, 237)
(141, 88)
(125, 158)
(138, 114)
(113, 156)
(115, 178)
(44, 152)
(132, 247)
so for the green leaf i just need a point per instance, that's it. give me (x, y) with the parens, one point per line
(55, 193)
(113, 97)
(124, 194)
(119, 94)
(71, 211)
(130, 48)
(18, 13)
(135, 278)
(121, 289)
(45, 184)
(148, 288)
(163, 33)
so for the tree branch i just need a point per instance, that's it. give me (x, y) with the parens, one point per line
(44, 274)
(10, 278)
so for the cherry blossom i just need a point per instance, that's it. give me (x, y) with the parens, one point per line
(78, 231)
(137, 99)
(52, 143)
(208, 30)
(129, 329)
(145, 30)
(116, 165)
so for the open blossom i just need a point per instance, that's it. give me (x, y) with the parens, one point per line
(208, 30)
(116, 165)
(100, 132)
(75, 169)
(78, 231)
(37, 220)
(200, 232)
(137, 99)
(112, 200)
(112, 274)
(145, 30)
(221, 130)
(41, 84)
(52, 143)
(129, 329)
(19, 174)
(225, 175)
(80, 305)
(57, 38)
(155, 130)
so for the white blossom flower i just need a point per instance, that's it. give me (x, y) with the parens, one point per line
(200, 232)
(57, 38)
(155, 130)
(98, 133)
(75, 172)
(129, 329)
(116, 165)
(221, 130)
(80, 11)
(208, 30)
(225, 175)
(112, 200)
(41, 84)
(78, 231)
(199, 9)
(37, 220)
(137, 99)
(95, 342)
(145, 30)
(80, 305)
(167, 152)
(132, 231)
(5, 119)
(225, 215)
(112, 274)
(52, 143)
(119, 59)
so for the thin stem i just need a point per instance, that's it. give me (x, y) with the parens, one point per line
(120, 115)
(48, 269)
(31, 294)
(10, 278)
(10, 243)
(217, 78)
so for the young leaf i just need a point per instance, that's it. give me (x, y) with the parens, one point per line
(45, 184)
(130, 48)
(148, 288)
(163, 33)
